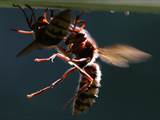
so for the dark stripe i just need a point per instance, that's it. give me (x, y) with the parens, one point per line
(56, 35)
(54, 27)
(59, 34)
(81, 103)
(62, 33)
(61, 27)
(85, 95)
(94, 86)
(80, 109)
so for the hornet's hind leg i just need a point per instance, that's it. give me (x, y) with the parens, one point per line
(54, 84)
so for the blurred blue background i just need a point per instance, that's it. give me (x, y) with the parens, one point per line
(126, 94)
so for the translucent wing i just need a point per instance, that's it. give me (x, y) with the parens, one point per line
(121, 55)
(28, 49)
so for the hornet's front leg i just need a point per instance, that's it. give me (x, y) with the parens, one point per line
(52, 57)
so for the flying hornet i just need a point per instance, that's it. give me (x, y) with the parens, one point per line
(81, 51)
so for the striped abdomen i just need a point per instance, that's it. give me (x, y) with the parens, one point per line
(58, 28)
(86, 99)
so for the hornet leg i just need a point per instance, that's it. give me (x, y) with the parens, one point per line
(54, 84)
(67, 59)
(23, 32)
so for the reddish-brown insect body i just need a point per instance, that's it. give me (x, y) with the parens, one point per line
(81, 52)
(82, 46)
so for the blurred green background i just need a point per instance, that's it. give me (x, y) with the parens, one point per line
(126, 94)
